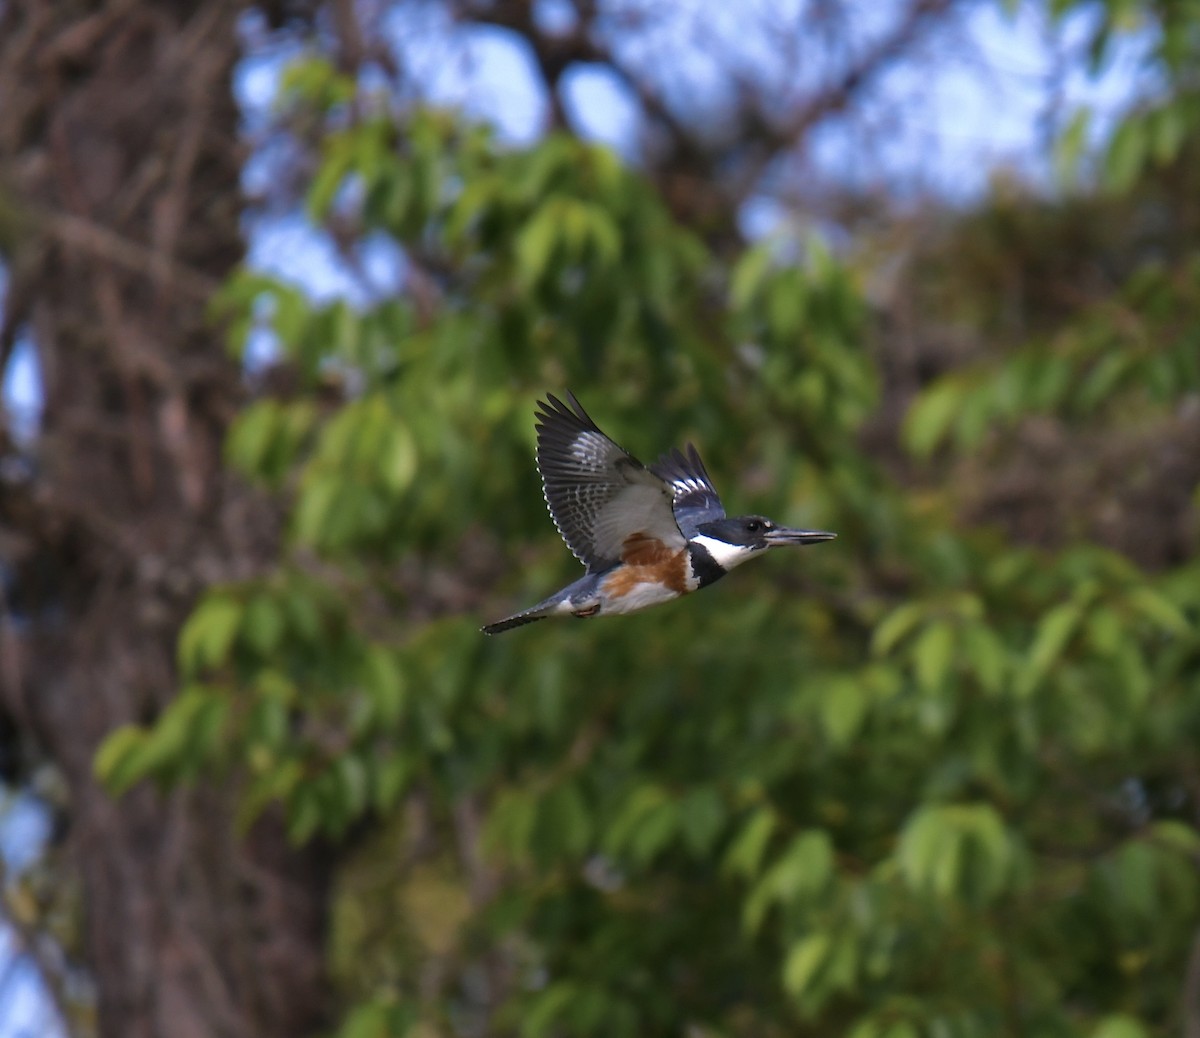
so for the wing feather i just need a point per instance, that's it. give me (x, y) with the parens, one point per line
(598, 493)
(695, 499)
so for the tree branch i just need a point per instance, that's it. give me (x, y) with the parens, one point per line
(841, 93)
(689, 161)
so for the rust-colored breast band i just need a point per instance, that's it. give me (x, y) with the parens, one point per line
(640, 549)
(648, 561)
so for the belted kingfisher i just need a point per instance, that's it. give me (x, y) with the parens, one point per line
(646, 535)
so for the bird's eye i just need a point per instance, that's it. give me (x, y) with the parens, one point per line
(753, 526)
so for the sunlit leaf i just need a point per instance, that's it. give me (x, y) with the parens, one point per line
(746, 852)
(208, 635)
(1053, 632)
(1126, 154)
(804, 960)
(930, 417)
(933, 653)
(893, 627)
(1120, 1026)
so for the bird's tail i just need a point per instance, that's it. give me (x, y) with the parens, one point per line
(537, 612)
(554, 605)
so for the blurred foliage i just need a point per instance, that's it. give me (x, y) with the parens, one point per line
(922, 781)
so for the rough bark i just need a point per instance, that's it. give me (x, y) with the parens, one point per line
(119, 211)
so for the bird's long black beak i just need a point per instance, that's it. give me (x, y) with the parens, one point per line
(781, 536)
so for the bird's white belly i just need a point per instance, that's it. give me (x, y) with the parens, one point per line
(640, 596)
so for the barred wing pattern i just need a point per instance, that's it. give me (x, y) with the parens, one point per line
(599, 495)
(695, 498)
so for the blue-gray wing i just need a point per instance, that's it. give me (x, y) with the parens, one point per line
(695, 499)
(599, 495)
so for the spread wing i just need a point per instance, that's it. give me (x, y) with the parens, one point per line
(695, 498)
(600, 496)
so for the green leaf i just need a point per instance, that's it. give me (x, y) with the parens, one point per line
(251, 436)
(336, 165)
(305, 812)
(536, 242)
(1105, 631)
(291, 313)
(944, 874)
(893, 627)
(656, 830)
(392, 777)
(208, 635)
(1053, 632)
(400, 459)
(801, 874)
(1159, 609)
(986, 656)
(319, 497)
(804, 960)
(701, 815)
(386, 686)
(1071, 145)
(1120, 1026)
(548, 1008)
(1105, 379)
(315, 81)
(511, 824)
(644, 827)
(1177, 835)
(263, 624)
(604, 235)
(844, 704)
(786, 306)
(346, 331)
(208, 733)
(367, 1021)
(1136, 880)
(749, 275)
(745, 854)
(990, 854)
(115, 764)
(868, 1027)
(1133, 673)
(354, 784)
(564, 825)
(1126, 154)
(173, 746)
(930, 417)
(925, 844)
(269, 720)
(1168, 131)
(273, 784)
(933, 653)
(811, 853)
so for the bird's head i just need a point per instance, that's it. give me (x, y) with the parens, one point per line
(732, 541)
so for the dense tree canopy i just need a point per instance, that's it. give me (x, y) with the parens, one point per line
(939, 777)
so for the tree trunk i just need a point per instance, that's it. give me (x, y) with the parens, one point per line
(119, 212)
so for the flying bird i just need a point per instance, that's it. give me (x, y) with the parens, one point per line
(646, 535)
